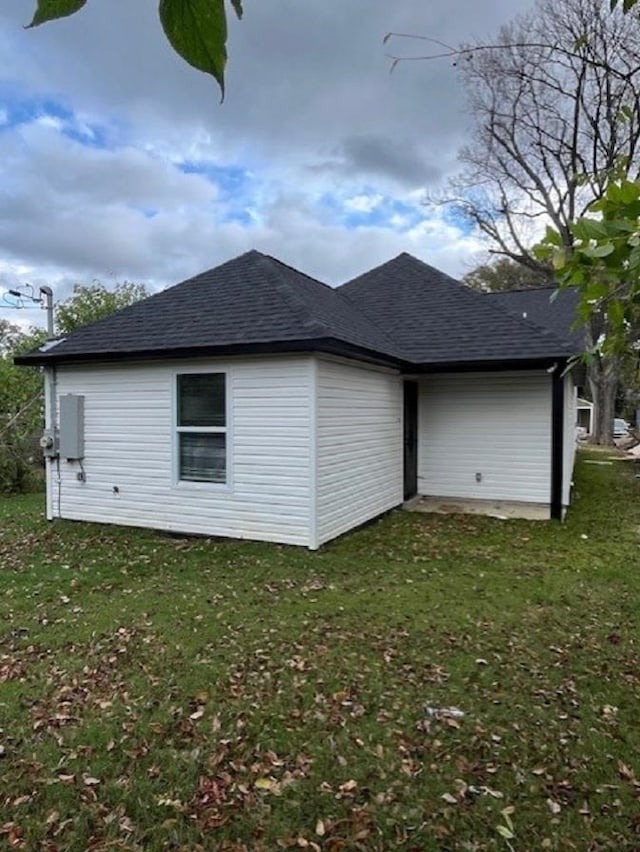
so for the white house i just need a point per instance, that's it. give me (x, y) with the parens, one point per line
(255, 402)
(584, 415)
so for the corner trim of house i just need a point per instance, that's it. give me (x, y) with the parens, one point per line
(313, 454)
(557, 440)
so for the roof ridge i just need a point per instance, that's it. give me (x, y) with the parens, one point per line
(405, 255)
(502, 311)
(341, 298)
(366, 315)
(298, 271)
(416, 273)
(291, 296)
(534, 289)
(376, 269)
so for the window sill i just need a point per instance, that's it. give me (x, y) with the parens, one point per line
(196, 485)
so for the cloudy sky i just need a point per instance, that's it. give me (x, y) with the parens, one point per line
(117, 161)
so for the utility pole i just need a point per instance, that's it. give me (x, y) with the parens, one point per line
(45, 301)
(47, 294)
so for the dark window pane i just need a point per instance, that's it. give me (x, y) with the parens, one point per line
(203, 457)
(201, 399)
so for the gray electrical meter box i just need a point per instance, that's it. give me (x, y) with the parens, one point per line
(71, 426)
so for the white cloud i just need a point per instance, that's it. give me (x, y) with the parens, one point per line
(49, 122)
(93, 185)
(363, 203)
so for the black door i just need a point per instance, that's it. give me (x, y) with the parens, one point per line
(410, 439)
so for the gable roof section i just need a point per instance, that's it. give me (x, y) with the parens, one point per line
(556, 313)
(251, 303)
(439, 322)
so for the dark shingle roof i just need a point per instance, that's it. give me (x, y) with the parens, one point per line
(253, 299)
(437, 320)
(539, 305)
(403, 312)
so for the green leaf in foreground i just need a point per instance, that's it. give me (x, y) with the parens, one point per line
(49, 10)
(604, 263)
(197, 30)
(627, 5)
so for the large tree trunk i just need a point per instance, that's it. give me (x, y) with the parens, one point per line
(603, 376)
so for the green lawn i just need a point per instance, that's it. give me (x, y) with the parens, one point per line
(167, 693)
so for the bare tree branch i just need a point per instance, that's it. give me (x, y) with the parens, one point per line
(467, 51)
(555, 100)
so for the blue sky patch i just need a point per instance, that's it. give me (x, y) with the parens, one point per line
(147, 212)
(368, 209)
(16, 111)
(455, 215)
(89, 135)
(231, 180)
(236, 185)
(366, 219)
(240, 216)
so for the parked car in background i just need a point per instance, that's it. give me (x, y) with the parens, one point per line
(620, 427)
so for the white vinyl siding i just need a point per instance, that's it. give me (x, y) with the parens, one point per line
(496, 425)
(359, 445)
(569, 448)
(130, 445)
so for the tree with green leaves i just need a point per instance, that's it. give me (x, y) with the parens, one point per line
(627, 5)
(556, 107)
(196, 29)
(21, 409)
(21, 391)
(502, 274)
(556, 102)
(603, 263)
(91, 302)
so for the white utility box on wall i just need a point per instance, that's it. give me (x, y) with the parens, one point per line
(71, 426)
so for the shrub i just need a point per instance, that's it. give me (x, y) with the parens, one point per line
(20, 467)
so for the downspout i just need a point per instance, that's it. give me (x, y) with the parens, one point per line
(557, 439)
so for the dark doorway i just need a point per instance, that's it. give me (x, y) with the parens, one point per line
(410, 439)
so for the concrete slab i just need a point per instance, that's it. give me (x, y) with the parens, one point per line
(503, 509)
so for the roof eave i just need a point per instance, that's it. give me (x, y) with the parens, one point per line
(489, 364)
(327, 345)
(330, 346)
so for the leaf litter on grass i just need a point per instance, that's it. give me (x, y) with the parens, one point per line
(164, 694)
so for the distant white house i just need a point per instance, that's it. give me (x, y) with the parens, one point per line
(584, 415)
(255, 402)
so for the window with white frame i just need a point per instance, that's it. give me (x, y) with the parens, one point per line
(202, 427)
